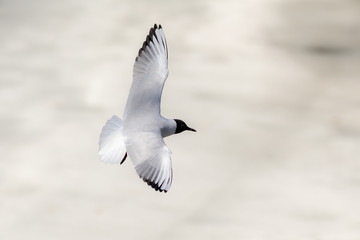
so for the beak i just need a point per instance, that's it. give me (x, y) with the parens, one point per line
(191, 129)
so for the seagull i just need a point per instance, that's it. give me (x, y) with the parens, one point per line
(140, 134)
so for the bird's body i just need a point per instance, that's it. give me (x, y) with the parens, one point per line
(140, 135)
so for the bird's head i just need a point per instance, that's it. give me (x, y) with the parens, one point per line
(181, 126)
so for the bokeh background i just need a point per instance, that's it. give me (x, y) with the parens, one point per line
(272, 86)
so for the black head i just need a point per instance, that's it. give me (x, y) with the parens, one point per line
(181, 126)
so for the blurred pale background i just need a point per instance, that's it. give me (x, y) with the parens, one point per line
(272, 86)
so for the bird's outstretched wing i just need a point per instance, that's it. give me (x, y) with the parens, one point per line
(149, 75)
(145, 145)
(151, 158)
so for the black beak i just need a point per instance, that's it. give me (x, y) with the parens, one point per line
(191, 129)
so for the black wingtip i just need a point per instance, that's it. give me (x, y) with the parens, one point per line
(152, 33)
(144, 45)
(155, 186)
(150, 38)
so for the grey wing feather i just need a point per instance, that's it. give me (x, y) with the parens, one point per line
(149, 75)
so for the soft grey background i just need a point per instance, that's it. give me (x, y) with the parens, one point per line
(272, 86)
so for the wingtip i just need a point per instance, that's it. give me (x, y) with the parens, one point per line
(157, 26)
(156, 187)
(149, 38)
(152, 37)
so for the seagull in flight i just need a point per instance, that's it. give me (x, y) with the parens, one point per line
(140, 134)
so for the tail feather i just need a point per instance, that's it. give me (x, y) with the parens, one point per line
(111, 145)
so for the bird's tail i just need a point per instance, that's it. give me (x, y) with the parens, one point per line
(111, 145)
